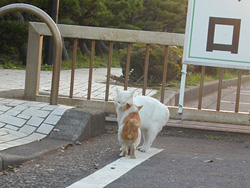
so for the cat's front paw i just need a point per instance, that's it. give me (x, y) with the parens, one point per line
(132, 157)
(121, 154)
(141, 149)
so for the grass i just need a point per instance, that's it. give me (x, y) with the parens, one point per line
(12, 65)
(213, 137)
(83, 61)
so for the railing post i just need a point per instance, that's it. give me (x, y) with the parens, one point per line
(34, 54)
(219, 89)
(109, 70)
(127, 67)
(73, 67)
(201, 87)
(237, 103)
(91, 65)
(164, 76)
(146, 70)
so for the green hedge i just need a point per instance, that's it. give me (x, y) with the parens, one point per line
(13, 37)
(156, 62)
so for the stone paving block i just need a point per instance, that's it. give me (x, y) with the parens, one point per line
(45, 128)
(52, 119)
(8, 137)
(12, 132)
(35, 105)
(35, 112)
(4, 108)
(19, 142)
(2, 133)
(24, 116)
(12, 120)
(49, 107)
(2, 125)
(20, 108)
(58, 111)
(11, 127)
(16, 103)
(35, 121)
(13, 112)
(26, 129)
(6, 101)
(31, 103)
(3, 147)
(36, 136)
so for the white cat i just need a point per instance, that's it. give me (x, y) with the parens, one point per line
(154, 115)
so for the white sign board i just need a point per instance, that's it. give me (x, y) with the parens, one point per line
(218, 33)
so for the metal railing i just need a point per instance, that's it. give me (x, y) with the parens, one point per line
(58, 51)
(111, 35)
(218, 104)
(37, 30)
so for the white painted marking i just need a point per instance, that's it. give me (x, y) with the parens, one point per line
(114, 170)
(244, 93)
(232, 102)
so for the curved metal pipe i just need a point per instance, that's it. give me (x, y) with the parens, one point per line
(57, 39)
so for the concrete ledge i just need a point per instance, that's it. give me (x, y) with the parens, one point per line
(79, 124)
(76, 124)
(207, 126)
(210, 116)
(18, 155)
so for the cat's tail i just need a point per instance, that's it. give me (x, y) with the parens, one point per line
(134, 122)
(129, 136)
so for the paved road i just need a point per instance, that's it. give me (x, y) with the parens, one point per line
(228, 98)
(189, 159)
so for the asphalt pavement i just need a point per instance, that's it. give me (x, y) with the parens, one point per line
(228, 99)
(190, 158)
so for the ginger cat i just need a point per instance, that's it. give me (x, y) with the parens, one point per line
(129, 133)
(154, 115)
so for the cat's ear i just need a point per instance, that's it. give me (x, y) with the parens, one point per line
(132, 92)
(126, 107)
(118, 91)
(140, 107)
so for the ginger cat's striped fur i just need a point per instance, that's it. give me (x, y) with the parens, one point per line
(129, 133)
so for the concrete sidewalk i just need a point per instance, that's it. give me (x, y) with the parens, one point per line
(15, 80)
(23, 122)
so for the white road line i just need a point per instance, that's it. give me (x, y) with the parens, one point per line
(114, 170)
